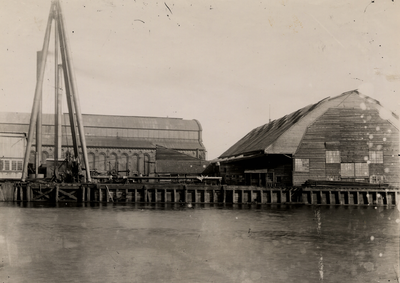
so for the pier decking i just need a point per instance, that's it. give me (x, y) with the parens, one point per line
(196, 193)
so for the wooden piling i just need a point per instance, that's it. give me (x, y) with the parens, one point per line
(146, 194)
(338, 198)
(88, 196)
(390, 198)
(185, 193)
(239, 198)
(21, 193)
(15, 193)
(322, 197)
(83, 193)
(202, 194)
(28, 193)
(56, 193)
(207, 196)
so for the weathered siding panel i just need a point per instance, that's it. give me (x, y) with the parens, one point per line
(354, 132)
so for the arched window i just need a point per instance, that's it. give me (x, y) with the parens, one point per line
(101, 164)
(92, 163)
(112, 161)
(146, 167)
(45, 155)
(135, 164)
(123, 164)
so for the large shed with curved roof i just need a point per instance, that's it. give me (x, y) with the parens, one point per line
(350, 137)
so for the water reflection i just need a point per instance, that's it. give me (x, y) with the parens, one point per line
(203, 243)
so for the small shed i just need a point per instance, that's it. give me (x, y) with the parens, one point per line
(170, 162)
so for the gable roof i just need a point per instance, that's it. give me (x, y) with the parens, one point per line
(282, 136)
(174, 162)
(163, 153)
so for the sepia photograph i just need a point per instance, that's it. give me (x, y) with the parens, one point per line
(199, 141)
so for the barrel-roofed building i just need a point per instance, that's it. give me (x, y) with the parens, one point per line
(123, 142)
(350, 137)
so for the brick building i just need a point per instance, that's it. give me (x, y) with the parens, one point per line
(123, 142)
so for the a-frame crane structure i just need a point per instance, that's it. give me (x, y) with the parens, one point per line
(75, 117)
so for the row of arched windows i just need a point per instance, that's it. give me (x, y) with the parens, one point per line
(123, 163)
(135, 164)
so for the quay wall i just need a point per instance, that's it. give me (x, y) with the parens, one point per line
(197, 193)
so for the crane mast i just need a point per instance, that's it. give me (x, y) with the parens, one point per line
(74, 110)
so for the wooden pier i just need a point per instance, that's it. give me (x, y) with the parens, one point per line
(197, 193)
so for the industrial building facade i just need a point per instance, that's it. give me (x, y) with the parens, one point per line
(124, 143)
(347, 138)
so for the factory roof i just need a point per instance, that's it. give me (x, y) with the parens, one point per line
(110, 121)
(116, 131)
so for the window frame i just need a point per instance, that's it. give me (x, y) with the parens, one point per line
(374, 158)
(362, 167)
(13, 165)
(354, 170)
(348, 172)
(332, 158)
(302, 165)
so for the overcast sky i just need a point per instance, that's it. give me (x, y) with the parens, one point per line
(229, 64)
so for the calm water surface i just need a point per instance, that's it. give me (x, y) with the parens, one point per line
(144, 243)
